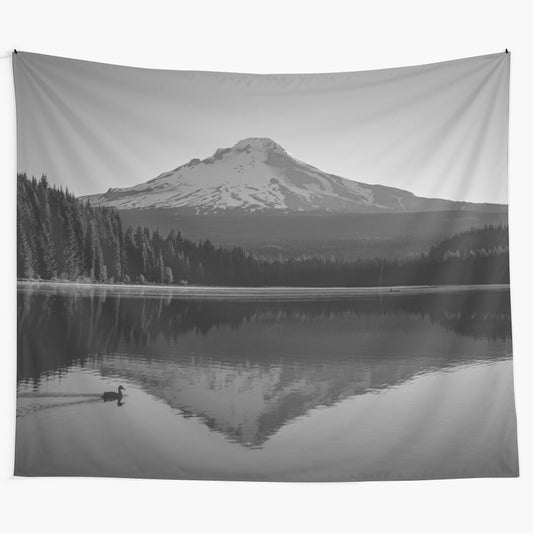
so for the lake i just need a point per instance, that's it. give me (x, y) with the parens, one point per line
(343, 386)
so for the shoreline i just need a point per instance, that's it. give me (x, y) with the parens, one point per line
(252, 293)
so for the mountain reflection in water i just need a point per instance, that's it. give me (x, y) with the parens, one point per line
(246, 369)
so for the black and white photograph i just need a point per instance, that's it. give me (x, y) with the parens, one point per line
(293, 277)
(266, 266)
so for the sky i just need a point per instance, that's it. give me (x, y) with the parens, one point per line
(438, 130)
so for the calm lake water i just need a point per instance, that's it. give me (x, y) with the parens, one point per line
(390, 386)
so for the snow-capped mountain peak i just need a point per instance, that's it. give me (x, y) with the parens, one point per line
(258, 145)
(257, 174)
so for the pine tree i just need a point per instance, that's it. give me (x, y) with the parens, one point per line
(167, 276)
(159, 268)
(45, 244)
(117, 261)
(90, 251)
(71, 250)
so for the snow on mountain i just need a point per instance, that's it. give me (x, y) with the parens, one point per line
(257, 174)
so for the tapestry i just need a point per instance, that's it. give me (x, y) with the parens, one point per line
(263, 277)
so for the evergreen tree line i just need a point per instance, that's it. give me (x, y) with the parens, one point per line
(61, 237)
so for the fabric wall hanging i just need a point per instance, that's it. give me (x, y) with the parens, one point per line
(293, 277)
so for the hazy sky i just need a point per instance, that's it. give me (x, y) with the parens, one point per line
(437, 130)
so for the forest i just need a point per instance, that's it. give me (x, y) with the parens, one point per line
(62, 238)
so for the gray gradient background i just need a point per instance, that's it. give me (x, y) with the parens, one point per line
(437, 130)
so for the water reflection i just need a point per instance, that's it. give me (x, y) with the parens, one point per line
(246, 369)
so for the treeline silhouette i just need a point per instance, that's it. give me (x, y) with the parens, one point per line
(61, 237)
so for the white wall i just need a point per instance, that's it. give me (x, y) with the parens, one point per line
(273, 36)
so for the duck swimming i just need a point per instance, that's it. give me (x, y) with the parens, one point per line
(109, 396)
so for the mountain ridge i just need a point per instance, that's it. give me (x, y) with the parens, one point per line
(258, 175)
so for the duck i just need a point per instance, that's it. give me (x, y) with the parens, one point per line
(109, 396)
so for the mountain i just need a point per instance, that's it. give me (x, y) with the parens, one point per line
(258, 175)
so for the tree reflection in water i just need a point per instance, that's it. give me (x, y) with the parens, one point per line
(246, 368)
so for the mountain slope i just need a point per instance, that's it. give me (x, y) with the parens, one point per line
(259, 175)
